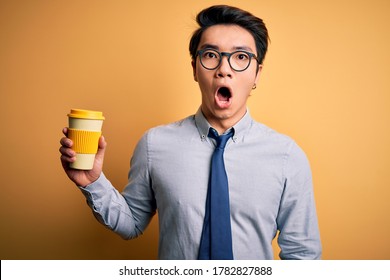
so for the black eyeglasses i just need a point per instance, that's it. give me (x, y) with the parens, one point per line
(239, 60)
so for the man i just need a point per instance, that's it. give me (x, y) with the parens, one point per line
(265, 174)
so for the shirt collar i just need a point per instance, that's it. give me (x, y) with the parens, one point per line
(239, 128)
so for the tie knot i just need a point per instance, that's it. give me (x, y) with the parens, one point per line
(221, 139)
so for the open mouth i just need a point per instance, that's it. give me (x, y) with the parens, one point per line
(224, 94)
(223, 97)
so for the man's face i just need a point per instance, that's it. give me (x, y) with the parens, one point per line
(225, 91)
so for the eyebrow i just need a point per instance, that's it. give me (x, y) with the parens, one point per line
(210, 46)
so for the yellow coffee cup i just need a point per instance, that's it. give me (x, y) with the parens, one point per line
(85, 129)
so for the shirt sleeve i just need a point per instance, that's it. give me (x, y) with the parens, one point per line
(297, 223)
(127, 213)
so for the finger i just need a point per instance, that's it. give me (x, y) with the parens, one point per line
(65, 131)
(65, 159)
(67, 152)
(66, 142)
(65, 162)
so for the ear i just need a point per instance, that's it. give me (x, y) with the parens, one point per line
(193, 64)
(257, 77)
(258, 73)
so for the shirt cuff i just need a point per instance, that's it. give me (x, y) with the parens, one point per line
(97, 189)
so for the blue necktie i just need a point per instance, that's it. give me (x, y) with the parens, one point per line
(216, 240)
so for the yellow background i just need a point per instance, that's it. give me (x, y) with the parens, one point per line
(325, 83)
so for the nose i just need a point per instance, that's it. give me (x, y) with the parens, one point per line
(224, 69)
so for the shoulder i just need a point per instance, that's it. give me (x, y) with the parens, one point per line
(269, 136)
(277, 141)
(169, 132)
(164, 137)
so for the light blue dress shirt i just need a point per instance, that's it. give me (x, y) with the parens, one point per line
(270, 188)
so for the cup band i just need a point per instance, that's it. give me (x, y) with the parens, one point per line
(84, 141)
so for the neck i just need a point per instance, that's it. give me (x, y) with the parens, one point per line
(223, 123)
(221, 127)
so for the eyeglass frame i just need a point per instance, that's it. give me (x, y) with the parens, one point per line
(228, 55)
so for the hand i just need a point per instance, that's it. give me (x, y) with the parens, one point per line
(81, 177)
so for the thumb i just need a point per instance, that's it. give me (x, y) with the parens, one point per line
(101, 148)
(94, 173)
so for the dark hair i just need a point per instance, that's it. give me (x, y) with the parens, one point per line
(223, 14)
